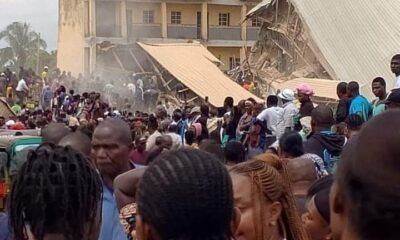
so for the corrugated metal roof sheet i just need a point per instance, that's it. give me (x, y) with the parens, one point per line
(322, 87)
(258, 7)
(357, 38)
(192, 64)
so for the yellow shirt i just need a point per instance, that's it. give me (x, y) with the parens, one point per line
(44, 77)
(9, 92)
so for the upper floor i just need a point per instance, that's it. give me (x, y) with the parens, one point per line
(130, 20)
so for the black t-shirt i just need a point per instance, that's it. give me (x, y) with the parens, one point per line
(306, 109)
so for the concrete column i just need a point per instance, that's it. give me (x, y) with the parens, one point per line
(92, 58)
(204, 20)
(244, 24)
(92, 18)
(242, 53)
(164, 20)
(124, 24)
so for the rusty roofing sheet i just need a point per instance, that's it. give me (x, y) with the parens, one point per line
(356, 38)
(192, 64)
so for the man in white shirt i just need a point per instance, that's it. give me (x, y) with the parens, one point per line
(286, 119)
(139, 83)
(132, 89)
(395, 66)
(22, 90)
(270, 117)
(108, 93)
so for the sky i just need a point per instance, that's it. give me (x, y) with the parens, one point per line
(42, 15)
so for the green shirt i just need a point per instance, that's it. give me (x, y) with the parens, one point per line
(378, 107)
(16, 109)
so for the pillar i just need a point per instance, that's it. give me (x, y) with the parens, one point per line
(164, 20)
(204, 20)
(124, 24)
(92, 58)
(243, 53)
(92, 18)
(244, 24)
(92, 32)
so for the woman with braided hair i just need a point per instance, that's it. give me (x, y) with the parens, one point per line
(186, 195)
(56, 195)
(262, 193)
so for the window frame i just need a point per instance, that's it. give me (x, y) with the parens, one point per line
(148, 16)
(233, 61)
(256, 22)
(224, 19)
(176, 17)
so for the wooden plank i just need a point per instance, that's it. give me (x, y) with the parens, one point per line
(169, 81)
(288, 17)
(158, 72)
(184, 90)
(118, 60)
(136, 60)
(192, 99)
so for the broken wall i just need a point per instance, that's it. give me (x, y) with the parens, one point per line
(73, 24)
(283, 45)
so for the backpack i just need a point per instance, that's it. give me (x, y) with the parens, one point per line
(331, 161)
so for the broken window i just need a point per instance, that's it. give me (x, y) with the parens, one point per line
(148, 16)
(224, 19)
(234, 62)
(255, 22)
(176, 17)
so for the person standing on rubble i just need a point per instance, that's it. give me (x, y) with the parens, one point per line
(45, 75)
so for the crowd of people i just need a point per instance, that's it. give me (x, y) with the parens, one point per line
(246, 171)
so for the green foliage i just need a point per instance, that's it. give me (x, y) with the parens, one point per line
(24, 45)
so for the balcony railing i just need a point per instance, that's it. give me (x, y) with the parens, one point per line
(224, 33)
(145, 31)
(184, 31)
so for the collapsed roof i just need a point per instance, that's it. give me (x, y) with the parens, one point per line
(353, 40)
(195, 67)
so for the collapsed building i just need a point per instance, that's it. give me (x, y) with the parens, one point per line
(114, 38)
(324, 40)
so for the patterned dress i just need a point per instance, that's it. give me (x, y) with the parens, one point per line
(128, 220)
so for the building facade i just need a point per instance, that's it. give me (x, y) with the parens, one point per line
(217, 24)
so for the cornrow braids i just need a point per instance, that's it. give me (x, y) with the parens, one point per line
(57, 191)
(270, 179)
(187, 195)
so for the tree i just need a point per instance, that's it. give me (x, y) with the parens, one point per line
(23, 44)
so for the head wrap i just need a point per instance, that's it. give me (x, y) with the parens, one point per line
(305, 89)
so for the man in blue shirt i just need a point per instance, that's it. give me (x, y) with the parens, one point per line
(4, 227)
(111, 145)
(359, 104)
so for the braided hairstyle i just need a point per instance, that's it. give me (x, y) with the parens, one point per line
(270, 182)
(57, 191)
(187, 195)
